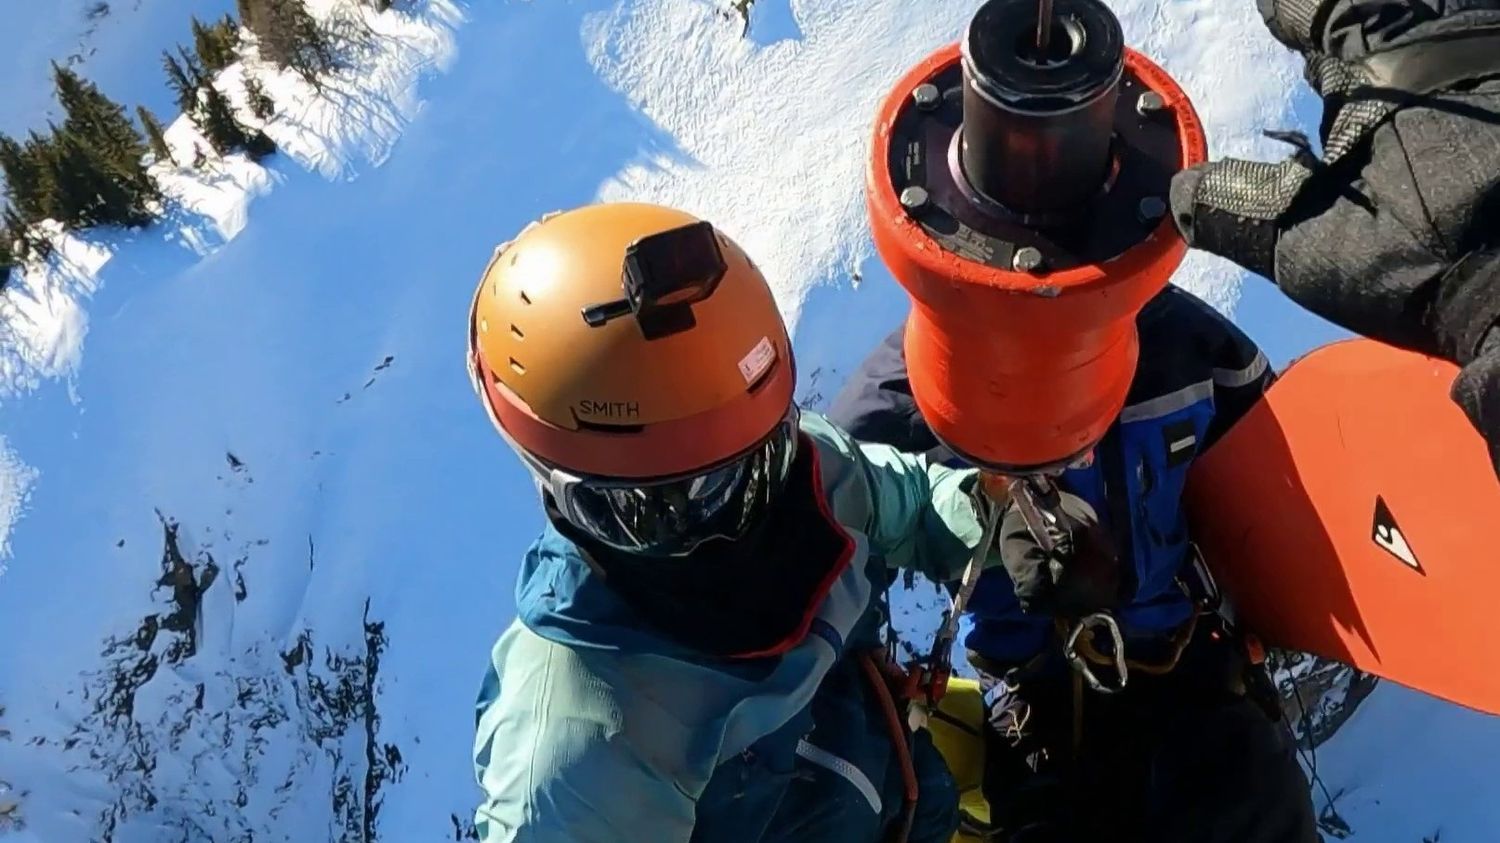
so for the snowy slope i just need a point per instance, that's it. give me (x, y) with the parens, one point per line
(117, 46)
(261, 493)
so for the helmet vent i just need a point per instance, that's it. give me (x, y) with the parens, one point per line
(516, 364)
(516, 332)
(525, 299)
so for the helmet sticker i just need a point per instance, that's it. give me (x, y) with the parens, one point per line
(758, 361)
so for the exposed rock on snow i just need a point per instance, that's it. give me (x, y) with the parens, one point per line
(1319, 694)
(232, 741)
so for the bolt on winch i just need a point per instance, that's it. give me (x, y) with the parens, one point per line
(1018, 192)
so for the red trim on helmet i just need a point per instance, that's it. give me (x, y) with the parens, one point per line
(845, 557)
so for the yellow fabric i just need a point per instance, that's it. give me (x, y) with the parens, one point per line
(962, 747)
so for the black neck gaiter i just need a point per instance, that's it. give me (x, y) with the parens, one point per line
(747, 598)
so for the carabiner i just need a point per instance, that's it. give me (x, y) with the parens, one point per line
(1070, 648)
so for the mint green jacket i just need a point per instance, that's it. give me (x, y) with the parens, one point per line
(590, 728)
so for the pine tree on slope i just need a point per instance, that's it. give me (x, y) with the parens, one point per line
(220, 128)
(25, 178)
(182, 85)
(156, 136)
(98, 120)
(215, 43)
(289, 36)
(261, 104)
(98, 135)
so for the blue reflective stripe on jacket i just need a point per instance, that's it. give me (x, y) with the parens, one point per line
(1196, 375)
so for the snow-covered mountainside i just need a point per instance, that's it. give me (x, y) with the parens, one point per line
(260, 535)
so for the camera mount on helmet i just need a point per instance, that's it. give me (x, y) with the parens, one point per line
(664, 275)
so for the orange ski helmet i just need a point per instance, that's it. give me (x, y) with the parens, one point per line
(635, 359)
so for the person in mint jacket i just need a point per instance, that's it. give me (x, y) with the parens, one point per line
(692, 657)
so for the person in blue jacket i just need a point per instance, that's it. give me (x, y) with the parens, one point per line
(1185, 743)
(693, 653)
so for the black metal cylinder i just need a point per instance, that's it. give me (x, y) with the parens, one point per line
(1037, 122)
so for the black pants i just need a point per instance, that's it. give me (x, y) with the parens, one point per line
(1199, 754)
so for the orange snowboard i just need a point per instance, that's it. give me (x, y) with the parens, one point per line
(1354, 513)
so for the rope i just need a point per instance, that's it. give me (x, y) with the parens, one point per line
(942, 647)
(899, 738)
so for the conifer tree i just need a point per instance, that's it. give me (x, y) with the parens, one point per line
(40, 151)
(183, 86)
(261, 104)
(249, 15)
(7, 258)
(17, 234)
(100, 137)
(206, 46)
(156, 136)
(88, 170)
(101, 123)
(85, 187)
(74, 176)
(196, 107)
(23, 178)
(107, 193)
(220, 128)
(12, 225)
(215, 43)
(192, 66)
(288, 35)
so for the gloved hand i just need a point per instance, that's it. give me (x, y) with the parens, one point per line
(1079, 575)
(1394, 232)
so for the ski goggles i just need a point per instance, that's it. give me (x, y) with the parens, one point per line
(673, 516)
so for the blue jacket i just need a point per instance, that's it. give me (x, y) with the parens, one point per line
(595, 726)
(1197, 375)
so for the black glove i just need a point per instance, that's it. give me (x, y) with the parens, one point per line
(1394, 232)
(1027, 730)
(1079, 575)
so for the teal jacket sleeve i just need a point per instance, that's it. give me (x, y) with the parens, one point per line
(918, 515)
(556, 759)
(923, 515)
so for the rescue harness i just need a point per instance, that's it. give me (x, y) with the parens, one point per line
(921, 684)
